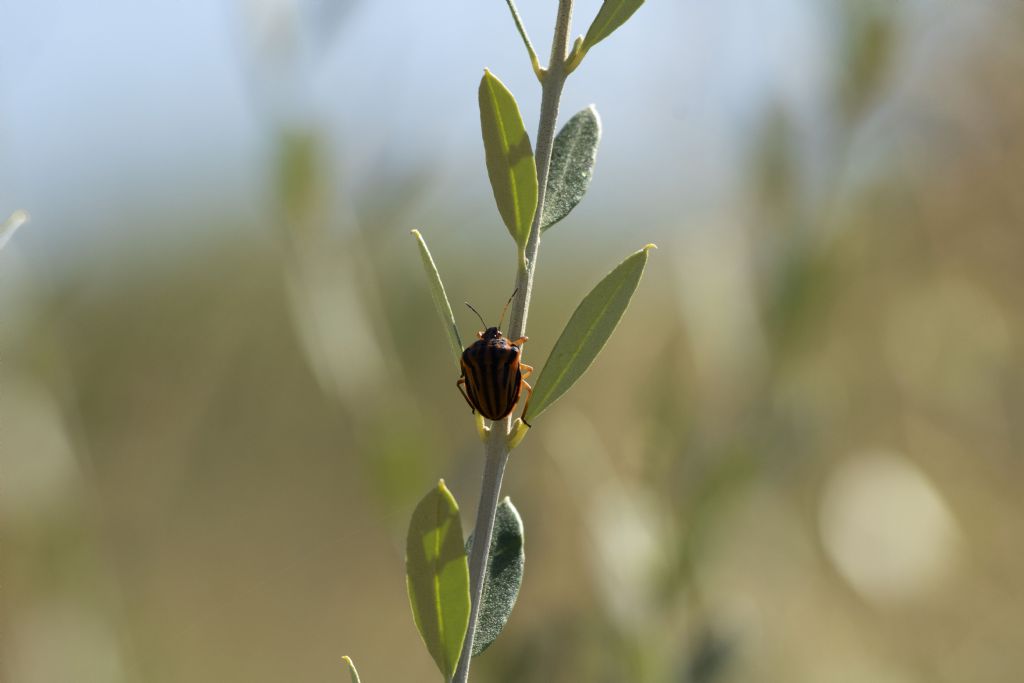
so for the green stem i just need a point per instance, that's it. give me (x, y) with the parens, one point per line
(496, 448)
(551, 95)
(495, 457)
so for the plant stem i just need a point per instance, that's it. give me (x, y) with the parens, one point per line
(551, 94)
(496, 455)
(496, 447)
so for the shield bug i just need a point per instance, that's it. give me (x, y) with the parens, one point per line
(492, 374)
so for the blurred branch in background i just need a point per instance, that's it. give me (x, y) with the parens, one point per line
(330, 273)
(15, 221)
(58, 586)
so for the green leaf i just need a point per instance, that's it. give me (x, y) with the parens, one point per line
(509, 156)
(587, 331)
(572, 166)
(613, 14)
(437, 293)
(437, 576)
(351, 669)
(504, 575)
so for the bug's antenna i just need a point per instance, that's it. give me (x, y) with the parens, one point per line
(504, 310)
(477, 314)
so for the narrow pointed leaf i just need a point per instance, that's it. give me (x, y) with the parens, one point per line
(572, 166)
(509, 156)
(587, 331)
(613, 14)
(437, 577)
(351, 669)
(504, 575)
(437, 293)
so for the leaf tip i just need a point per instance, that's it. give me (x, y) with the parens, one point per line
(446, 493)
(351, 668)
(415, 233)
(10, 226)
(649, 246)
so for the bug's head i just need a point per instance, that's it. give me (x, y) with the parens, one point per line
(490, 333)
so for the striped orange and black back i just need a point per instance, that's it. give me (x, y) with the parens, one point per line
(493, 378)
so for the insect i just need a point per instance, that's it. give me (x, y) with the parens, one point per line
(492, 375)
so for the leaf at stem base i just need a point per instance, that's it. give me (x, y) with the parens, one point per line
(437, 577)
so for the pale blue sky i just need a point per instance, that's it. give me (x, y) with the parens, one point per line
(161, 104)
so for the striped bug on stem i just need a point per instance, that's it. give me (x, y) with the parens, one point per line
(492, 373)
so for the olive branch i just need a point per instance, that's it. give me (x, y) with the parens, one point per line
(460, 604)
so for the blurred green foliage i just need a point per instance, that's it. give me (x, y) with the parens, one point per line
(207, 467)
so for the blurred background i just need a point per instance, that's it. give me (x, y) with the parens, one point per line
(223, 387)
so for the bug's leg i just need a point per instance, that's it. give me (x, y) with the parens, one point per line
(463, 392)
(520, 341)
(526, 404)
(527, 370)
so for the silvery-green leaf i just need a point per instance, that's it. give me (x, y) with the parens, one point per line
(504, 575)
(613, 14)
(437, 577)
(437, 293)
(586, 332)
(509, 156)
(572, 166)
